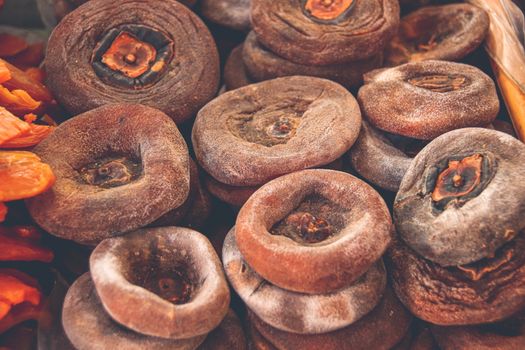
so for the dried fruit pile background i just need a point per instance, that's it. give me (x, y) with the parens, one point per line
(236, 174)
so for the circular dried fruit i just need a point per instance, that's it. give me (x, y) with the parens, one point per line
(89, 327)
(262, 64)
(235, 74)
(462, 197)
(448, 32)
(423, 100)
(118, 167)
(323, 32)
(297, 312)
(233, 195)
(229, 335)
(313, 231)
(381, 329)
(106, 52)
(172, 273)
(380, 159)
(234, 14)
(250, 135)
(505, 335)
(485, 291)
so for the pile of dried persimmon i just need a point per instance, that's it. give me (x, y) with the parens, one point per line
(262, 174)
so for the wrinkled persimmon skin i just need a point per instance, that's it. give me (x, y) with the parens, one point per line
(23, 175)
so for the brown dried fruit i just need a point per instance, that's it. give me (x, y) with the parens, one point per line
(359, 222)
(235, 74)
(172, 273)
(251, 135)
(234, 14)
(298, 312)
(360, 31)
(423, 100)
(118, 168)
(89, 327)
(262, 64)
(462, 197)
(150, 57)
(448, 32)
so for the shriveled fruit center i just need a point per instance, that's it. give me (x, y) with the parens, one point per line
(268, 126)
(440, 82)
(129, 55)
(314, 220)
(327, 9)
(132, 56)
(111, 172)
(174, 286)
(459, 179)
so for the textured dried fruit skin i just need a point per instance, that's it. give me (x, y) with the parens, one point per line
(288, 30)
(505, 335)
(11, 127)
(380, 329)
(14, 292)
(486, 291)
(314, 268)
(298, 312)
(229, 335)
(124, 270)
(143, 135)
(23, 175)
(235, 74)
(458, 230)
(238, 142)
(377, 159)
(89, 327)
(423, 100)
(193, 72)
(21, 81)
(262, 64)
(448, 32)
(15, 133)
(233, 14)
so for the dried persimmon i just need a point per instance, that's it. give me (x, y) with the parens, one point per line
(32, 56)
(17, 249)
(5, 74)
(17, 101)
(14, 291)
(3, 212)
(21, 81)
(10, 126)
(32, 137)
(23, 175)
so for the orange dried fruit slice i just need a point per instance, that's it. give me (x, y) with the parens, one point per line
(5, 74)
(11, 45)
(23, 175)
(17, 249)
(32, 56)
(22, 81)
(11, 126)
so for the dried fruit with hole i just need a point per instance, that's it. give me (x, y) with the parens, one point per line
(121, 165)
(125, 52)
(174, 273)
(295, 230)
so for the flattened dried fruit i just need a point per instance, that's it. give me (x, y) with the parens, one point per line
(448, 32)
(320, 32)
(173, 273)
(23, 175)
(376, 158)
(125, 52)
(313, 231)
(262, 64)
(381, 329)
(89, 327)
(486, 291)
(423, 100)
(122, 166)
(229, 335)
(298, 312)
(253, 134)
(235, 74)
(462, 197)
